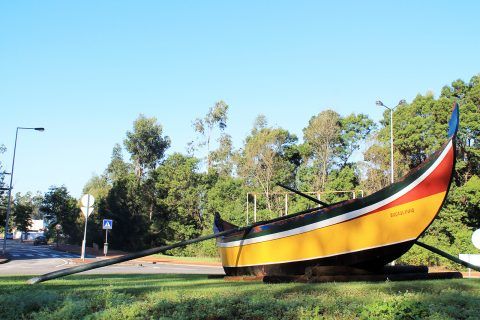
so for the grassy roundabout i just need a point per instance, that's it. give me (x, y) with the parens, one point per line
(196, 297)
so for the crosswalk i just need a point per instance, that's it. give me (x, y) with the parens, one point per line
(44, 254)
(39, 256)
(27, 251)
(18, 255)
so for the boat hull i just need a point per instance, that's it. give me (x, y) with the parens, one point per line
(365, 233)
(368, 259)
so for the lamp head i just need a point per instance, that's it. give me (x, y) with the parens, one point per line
(379, 103)
(402, 102)
(39, 129)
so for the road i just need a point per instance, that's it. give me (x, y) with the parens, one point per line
(27, 259)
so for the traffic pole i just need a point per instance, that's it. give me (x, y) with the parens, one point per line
(105, 246)
(85, 232)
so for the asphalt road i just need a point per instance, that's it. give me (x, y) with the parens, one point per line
(27, 259)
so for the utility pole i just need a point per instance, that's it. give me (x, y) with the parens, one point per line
(9, 205)
(380, 103)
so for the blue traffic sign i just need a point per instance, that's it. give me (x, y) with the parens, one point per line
(107, 224)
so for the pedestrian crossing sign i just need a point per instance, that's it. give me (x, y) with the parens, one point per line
(107, 224)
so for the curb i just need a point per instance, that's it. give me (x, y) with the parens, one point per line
(136, 262)
(154, 260)
(142, 260)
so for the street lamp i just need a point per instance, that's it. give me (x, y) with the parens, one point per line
(10, 188)
(380, 103)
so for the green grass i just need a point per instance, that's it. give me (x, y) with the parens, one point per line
(196, 297)
(188, 259)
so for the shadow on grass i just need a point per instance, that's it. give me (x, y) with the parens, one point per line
(196, 297)
(142, 282)
(138, 284)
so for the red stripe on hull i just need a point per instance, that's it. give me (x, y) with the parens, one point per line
(437, 181)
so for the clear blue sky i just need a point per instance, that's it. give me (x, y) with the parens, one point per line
(86, 69)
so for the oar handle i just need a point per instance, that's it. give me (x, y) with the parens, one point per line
(304, 195)
(448, 256)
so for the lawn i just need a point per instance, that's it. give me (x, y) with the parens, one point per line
(196, 297)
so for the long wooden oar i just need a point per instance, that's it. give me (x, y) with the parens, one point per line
(446, 255)
(303, 195)
(147, 252)
(127, 257)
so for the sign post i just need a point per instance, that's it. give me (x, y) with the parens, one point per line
(87, 201)
(107, 225)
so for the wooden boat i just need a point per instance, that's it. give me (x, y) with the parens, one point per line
(363, 233)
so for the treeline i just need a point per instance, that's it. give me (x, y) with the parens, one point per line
(156, 199)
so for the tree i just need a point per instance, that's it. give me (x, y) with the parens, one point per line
(323, 135)
(264, 160)
(117, 168)
(259, 123)
(147, 147)
(215, 118)
(468, 136)
(419, 128)
(23, 209)
(124, 205)
(146, 144)
(343, 179)
(354, 130)
(376, 166)
(182, 197)
(227, 197)
(97, 186)
(61, 208)
(221, 159)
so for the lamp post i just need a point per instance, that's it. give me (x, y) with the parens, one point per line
(380, 103)
(11, 182)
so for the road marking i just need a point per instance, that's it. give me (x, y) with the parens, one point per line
(65, 262)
